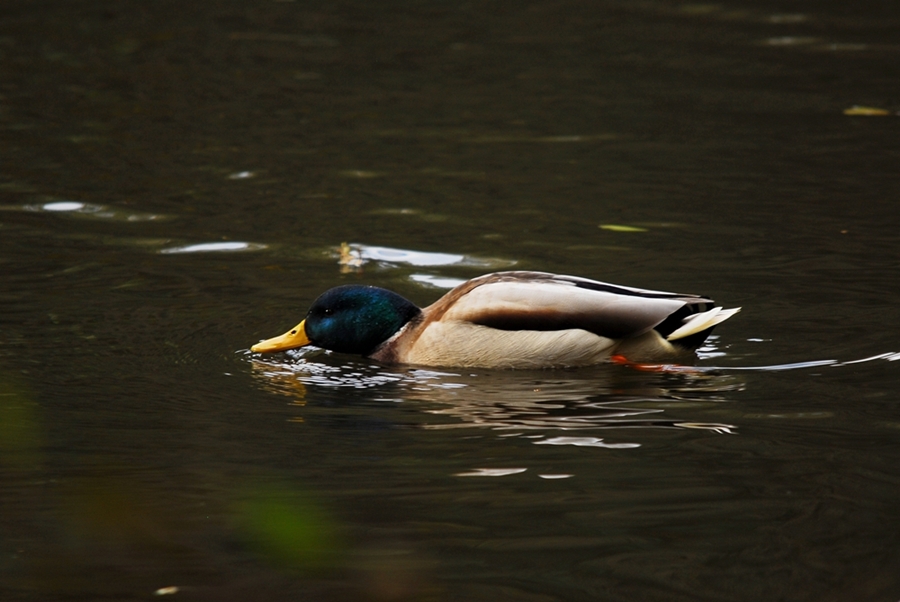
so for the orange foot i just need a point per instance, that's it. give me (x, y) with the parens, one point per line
(624, 361)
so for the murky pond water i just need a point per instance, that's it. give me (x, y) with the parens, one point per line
(176, 181)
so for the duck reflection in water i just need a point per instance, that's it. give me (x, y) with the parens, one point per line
(602, 397)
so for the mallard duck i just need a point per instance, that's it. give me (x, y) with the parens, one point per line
(508, 320)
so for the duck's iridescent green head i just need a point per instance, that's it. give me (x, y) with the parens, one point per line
(357, 319)
(349, 319)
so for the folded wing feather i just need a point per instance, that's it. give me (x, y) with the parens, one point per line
(702, 321)
(534, 301)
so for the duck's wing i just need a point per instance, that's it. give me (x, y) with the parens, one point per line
(546, 302)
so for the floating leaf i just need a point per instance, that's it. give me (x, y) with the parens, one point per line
(621, 228)
(166, 591)
(857, 110)
(351, 259)
(790, 41)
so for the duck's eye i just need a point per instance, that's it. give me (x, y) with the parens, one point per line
(329, 311)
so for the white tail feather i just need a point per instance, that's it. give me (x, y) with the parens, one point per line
(702, 321)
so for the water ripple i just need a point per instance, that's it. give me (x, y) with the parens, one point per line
(511, 403)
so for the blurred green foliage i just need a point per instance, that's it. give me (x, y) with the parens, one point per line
(288, 528)
(20, 433)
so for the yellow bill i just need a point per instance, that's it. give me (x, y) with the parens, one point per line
(295, 337)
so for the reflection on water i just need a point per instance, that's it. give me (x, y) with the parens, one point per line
(537, 403)
(210, 247)
(491, 472)
(86, 210)
(352, 257)
(527, 404)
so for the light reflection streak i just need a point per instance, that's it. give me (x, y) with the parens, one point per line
(890, 356)
(66, 207)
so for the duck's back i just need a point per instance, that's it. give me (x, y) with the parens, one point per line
(536, 319)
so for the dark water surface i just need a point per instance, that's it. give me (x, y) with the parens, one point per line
(175, 183)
